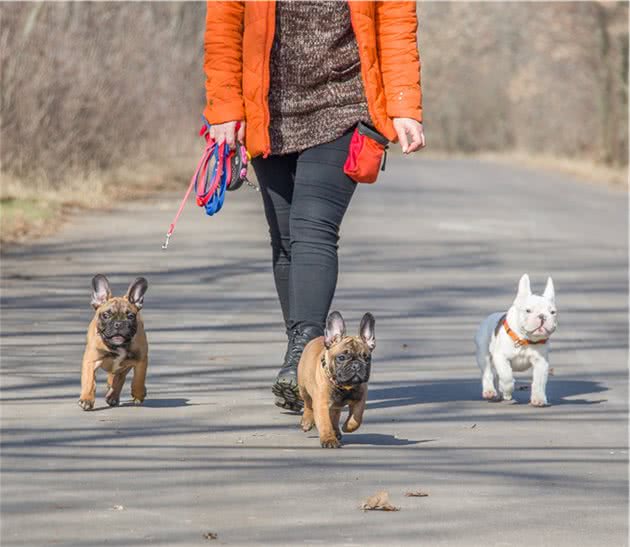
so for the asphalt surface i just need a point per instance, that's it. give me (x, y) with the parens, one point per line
(429, 250)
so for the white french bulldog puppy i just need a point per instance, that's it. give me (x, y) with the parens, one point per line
(517, 340)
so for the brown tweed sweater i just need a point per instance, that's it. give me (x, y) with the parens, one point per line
(316, 93)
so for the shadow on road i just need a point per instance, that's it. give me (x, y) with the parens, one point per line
(163, 403)
(379, 439)
(558, 392)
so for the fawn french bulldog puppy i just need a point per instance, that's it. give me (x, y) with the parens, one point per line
(116, 342)
(333, 373)
(516, 341)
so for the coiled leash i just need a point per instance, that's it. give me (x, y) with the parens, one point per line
(219, 169)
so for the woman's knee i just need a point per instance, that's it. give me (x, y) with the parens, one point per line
(315, 236)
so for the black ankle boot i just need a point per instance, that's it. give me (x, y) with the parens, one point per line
(285, 387)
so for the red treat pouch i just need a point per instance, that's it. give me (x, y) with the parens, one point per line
(366, 154)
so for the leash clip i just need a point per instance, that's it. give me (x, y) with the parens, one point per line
(166, 240)
(251, 184)
(171, 229)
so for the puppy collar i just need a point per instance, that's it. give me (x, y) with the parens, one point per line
(331, 377)
(521, 341)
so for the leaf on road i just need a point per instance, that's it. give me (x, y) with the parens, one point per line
(416, 494)
(211, 535)
(379, 502)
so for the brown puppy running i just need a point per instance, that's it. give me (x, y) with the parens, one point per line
(116, 342)
(333, 372)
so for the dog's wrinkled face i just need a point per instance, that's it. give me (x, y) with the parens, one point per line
(117, 320)
(537, 316)
(117, 323)
(349, 358)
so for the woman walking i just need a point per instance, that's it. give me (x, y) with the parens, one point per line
(291, 80)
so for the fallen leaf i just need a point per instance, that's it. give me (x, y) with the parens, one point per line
(210, 535)
(473, 426)
(379, 502)
(416, 494)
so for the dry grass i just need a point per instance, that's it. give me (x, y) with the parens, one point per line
(584, 170)
(31, 211)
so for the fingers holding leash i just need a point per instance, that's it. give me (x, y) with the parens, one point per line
(228, 132)
(241, 132)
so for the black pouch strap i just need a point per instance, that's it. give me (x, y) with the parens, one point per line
(372, 133)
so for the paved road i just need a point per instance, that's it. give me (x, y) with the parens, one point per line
(430, 250)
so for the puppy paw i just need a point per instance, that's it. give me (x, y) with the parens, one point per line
(328, 442)
(111, 399)
(86, 404)
(490, 395)
(138, 402)
(539, 401)
(307, 425)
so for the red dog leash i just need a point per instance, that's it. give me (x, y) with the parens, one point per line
(229, 171)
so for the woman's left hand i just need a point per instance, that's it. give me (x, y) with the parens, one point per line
(408, 127)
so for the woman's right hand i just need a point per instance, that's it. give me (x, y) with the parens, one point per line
(227, 132)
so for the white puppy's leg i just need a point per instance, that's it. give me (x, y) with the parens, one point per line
(506, 378)
(489, 392)
(539, 382)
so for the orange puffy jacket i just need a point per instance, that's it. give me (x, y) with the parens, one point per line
(237, 47)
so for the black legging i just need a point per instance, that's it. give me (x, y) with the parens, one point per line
(305, 196)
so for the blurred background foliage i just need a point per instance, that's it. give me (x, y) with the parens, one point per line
(97, 94)
(541, 77)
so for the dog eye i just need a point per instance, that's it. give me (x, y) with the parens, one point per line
(341, 358)
(553, 312)
(105, 315)
(528, 310)
(131, 316)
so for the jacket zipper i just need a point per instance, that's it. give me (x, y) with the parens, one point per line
(267, 76)
(356, 38)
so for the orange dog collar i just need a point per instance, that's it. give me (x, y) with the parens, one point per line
(517, 339)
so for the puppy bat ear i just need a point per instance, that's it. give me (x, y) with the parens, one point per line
(366, 330)
(335, 329)
(524, 289)
(550, 292)
(101, 292)
(135, 292)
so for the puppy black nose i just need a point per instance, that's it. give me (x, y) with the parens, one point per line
(541, 316)
(117, 325)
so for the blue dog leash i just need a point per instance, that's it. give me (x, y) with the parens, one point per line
(229, 171)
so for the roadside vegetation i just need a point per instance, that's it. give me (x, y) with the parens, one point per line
(101, 101)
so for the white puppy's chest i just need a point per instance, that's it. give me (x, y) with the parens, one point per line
(522, 360)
